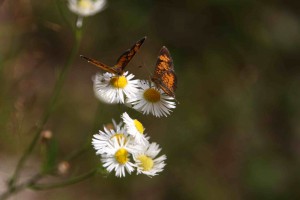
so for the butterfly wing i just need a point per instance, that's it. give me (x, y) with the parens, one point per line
(164, 75)
(100, 65)
(168, 83)
(125, 58)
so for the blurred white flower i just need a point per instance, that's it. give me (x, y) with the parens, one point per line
(84, 8)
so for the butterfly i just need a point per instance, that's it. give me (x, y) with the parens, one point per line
(122, 62)
(164, 75)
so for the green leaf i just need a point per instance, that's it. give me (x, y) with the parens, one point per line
(50, 153)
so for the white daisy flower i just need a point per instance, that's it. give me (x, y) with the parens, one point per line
(116, 157)
(147, 163)
(113, 88)
(102, 139)
(98, 80)
(136, 129)
(84, 8)
(149, 99)
(103, 98)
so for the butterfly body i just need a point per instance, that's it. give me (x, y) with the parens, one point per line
(164, 75)
(122, 62)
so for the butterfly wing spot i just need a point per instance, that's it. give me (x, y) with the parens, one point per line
(164, 58)
(162, 67)
(168, 83)
(169, 80)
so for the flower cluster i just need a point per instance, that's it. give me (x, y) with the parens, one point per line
(140, 95)
(125, 147)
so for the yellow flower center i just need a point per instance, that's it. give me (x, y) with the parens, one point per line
(121, 156)
(85, 4)
(139, 126)
(118, 81)
(146, 162)
(152, 95)
(119, 137)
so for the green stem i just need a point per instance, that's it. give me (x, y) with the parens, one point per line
(15, 189)
(61, 10)
(31, 183)
(57, 89)
(64, 183)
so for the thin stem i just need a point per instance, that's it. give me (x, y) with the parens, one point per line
(57, 89)
(20, 187)
(79, 21)
(64, 183)
(77, 153)
(37, 177)
(61, 10)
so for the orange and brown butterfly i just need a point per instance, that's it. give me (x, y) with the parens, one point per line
(122, 62)
(164, 75)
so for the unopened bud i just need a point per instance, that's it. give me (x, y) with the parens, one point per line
(46, 135)
(109, 126)
(63, 167)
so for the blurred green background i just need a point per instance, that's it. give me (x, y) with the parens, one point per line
(235, 133)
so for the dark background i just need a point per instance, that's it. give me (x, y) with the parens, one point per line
(235, 133)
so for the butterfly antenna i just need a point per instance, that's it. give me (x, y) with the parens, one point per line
(148, 70)
(144, 66)
(86, 58)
